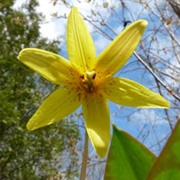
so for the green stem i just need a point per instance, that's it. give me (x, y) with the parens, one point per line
(85, 158)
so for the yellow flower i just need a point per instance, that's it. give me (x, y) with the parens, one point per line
(88, 80)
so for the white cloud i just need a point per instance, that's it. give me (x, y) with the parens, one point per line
(53, 28)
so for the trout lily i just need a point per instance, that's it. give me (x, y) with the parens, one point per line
(88, 80)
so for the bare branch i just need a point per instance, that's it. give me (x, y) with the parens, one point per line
(175, 4)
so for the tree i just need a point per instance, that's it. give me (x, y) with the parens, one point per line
(23, 154)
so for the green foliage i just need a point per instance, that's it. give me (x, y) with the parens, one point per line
(127, 158)
(167, 165)
(23, 154)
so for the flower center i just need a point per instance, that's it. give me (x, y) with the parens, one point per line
(87, 80)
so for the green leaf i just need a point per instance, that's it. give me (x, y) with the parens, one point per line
(167, 165)
(127, 158)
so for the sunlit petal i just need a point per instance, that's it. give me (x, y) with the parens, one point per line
(129, 93)
(51, 66)
(120, 49)
(59, 104)
(80, 46)
(97, 119)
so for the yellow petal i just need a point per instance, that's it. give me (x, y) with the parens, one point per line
(129, 93)
(97, 120)
(51, 66)
(120, 49)
(58, 105)
(80, 46)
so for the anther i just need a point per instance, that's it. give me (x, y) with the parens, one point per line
(90, 75)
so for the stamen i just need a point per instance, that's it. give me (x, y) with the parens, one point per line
(87, 80)
(90, 75)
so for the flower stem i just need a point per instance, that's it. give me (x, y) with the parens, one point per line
(85, 158)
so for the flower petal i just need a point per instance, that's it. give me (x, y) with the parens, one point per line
(51, 66)
(129, 93)
(59, 104)
(80, 46)
(120, 49)
(97, 120)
